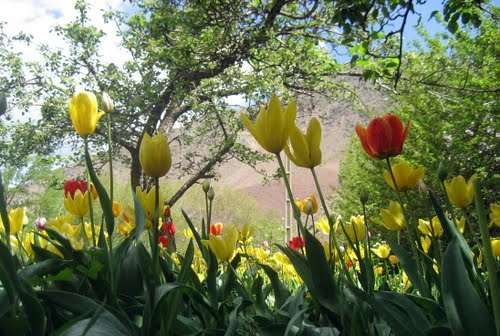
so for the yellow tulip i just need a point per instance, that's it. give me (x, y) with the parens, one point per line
(224, 245)
(393, 218)
(495, 247)
(460, 223)
(154, 155)
(426, 243)
(393, 260)
(382, 251)
(116, 208)
(77, 205)
(323, 226)
(304, 149)
(379, 270)
(127, 224)
(273, 125)
(460, 193)
(495, 214)
(83, 112)
(188, 234)
(308, 205)
(147, 200)
(245, 234)
(406, 176)
(433, 228)
(17, 218)
(355, 229)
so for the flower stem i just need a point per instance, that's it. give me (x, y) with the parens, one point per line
(155, 230)
(296, 212)
(90, 196)
(332, 238)
(110, 158)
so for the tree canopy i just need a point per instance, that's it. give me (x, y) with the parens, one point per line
(187, 57)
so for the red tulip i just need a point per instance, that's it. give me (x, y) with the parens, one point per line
(384, 137)
(168, 227)
(296, 243)
(163, 240)
(71, 186)
(216, 229)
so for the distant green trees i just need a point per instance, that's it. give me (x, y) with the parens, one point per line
(449, 91)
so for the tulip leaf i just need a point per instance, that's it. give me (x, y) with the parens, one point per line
(321, 272)
(43, 268)
(3, 210)
(409, 265)
(280, 291)
(63, 244)
(414, 315)
(8, 275)
(107, 207)
(104, 325)
(467, 314)
(140, 217)
(173, 300)
(35, 313)
(453, 232)
(196, 235)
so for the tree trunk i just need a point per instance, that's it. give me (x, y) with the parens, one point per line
(135, 169)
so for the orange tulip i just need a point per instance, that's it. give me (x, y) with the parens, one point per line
(384, 136)
(216, 229)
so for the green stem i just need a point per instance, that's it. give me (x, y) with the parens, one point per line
(332, 238)
(296, 211)
(209, 215)
(110, 158)
(491, 263)
(90, 196)
(155, 230)
(4, 214)
(84, 233)
(206, 232)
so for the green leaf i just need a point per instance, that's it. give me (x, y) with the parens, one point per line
(467, 314)
(326, 289)
(43, 268)
(414, 314)
(397, 318)
(140, 217)
(104, 325)
(281, 293)
(173, 300)
(107, 207)
(33, 308)
(3, 210)
(8, 275)
(196, 235)
(409, 265)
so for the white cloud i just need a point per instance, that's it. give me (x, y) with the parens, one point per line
(39, 18)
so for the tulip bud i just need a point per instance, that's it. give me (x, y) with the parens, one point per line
(167, 211)
(211, 194)
(107, 104)
(442, 172)
(363, 196)
(3, 104)
(40, 223)
(308, 207)
(206, 186)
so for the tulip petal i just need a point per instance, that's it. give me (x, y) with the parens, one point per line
(397, 132)
(363, 138)
(379, 136)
